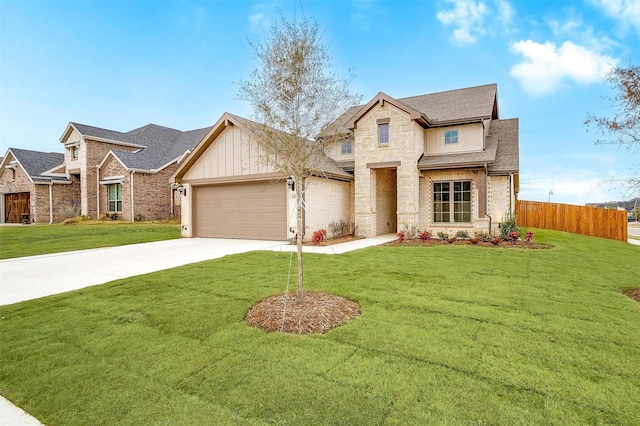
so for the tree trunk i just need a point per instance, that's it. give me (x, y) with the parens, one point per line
(300, 230)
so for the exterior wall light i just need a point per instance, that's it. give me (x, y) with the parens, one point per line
(291, 184)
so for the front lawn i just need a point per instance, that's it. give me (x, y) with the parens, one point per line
(447, 335)
(30, 240)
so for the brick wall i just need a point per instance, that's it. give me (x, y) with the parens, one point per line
(12, 182)
(327, 201)
(478, 224)
(113, 167)
(499, 195)
(93, 152)
(152, 193)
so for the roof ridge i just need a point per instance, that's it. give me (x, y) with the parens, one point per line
(449, 91)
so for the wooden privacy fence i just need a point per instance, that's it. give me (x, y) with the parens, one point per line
(592, 221)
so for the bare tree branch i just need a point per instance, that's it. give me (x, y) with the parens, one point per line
(294, 95)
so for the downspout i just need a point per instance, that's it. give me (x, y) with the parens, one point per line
(51, 203)
(131, 191)
(171, 200)
(97, 192)
(511, 189)
(486, 195)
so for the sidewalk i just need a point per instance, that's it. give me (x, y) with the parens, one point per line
(62, 272)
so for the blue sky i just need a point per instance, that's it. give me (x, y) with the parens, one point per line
(123, 64)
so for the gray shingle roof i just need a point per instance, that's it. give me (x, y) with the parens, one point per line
(162, 145)
(505, 132)
(453, 105)
(36, 162)
(500, 154)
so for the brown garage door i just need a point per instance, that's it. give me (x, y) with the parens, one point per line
(245, 210)
(16, 205)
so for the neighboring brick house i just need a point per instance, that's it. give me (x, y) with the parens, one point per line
(30, 181)
(442, 162)
(125, 174)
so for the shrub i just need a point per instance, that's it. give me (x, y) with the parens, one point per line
(70, 221)
(443, 236)
(451, 240)
(342, 228)
(318, 236)
(112, 216)
(528, 237)
(496, 241)
(425, 236)
(484, 237)
(68, 212)
(401, 236)
(138, 218)
(513, 237)
(411, 231)
(462, 235)
(508, 226)
(475, 240)
(83, 218)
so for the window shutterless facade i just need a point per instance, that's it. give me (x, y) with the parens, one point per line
(346, 148)
(452, 202)
(450, 136)
(115, 197)
(383, 134)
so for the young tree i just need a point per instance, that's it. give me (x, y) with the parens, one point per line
(623, 128)
(295, 95)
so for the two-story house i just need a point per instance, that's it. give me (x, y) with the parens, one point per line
(101, 172)
(439, 162)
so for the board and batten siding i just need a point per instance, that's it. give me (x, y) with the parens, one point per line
(469, 139)
(234, 153)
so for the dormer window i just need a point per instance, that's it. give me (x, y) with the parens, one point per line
(346, 148)
(450, 137)
(74, 152)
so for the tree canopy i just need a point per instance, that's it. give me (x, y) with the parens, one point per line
(623, 126)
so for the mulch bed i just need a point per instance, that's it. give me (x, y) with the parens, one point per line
(634, 294)
(319, 313)
(436, 242)
(333, 240)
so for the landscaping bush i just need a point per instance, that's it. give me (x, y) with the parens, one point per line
(401, 236)
(462, 235)
(411, 231)
(513, 237)
(138, 218)
(484, 237)
(508, 226)
(528, 237)
(443, 236)
(342, 228)
(318, 236)
(425, 236)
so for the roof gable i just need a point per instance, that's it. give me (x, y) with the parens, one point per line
(35, 163)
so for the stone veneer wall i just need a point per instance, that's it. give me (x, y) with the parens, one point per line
(406, 142)
(386, 201)
(499, 190)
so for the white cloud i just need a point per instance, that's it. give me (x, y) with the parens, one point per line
(626, 11)
(546, 66)
(505, 13)
(467, 17)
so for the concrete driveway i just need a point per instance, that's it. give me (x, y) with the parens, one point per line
(33, 277)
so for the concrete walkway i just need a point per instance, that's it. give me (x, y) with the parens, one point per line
(33, 277)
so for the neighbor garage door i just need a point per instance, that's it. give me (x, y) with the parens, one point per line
(243, 210)
(16, 205)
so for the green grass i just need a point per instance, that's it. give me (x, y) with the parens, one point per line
(448, 335)
(18, 241)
